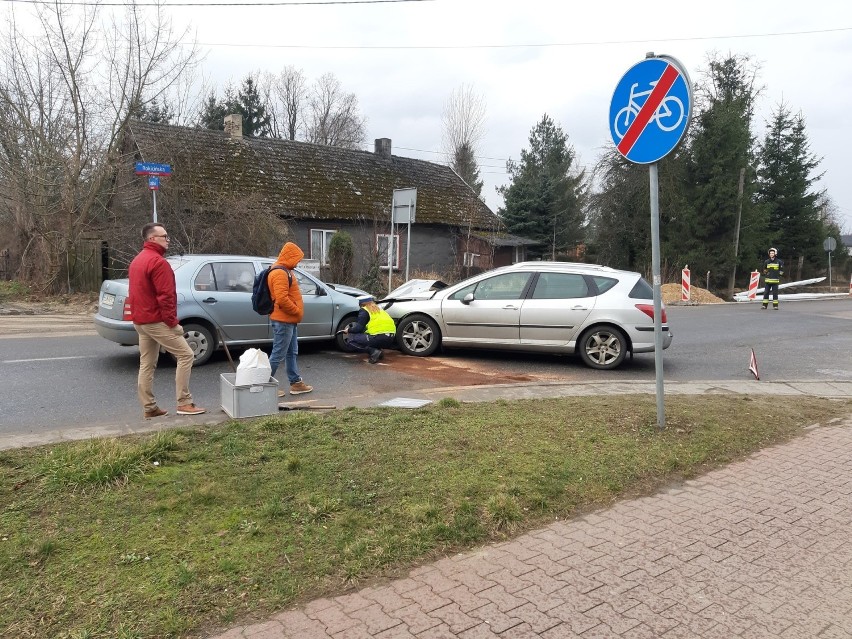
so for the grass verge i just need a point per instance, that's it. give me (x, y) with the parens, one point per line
(172, 534)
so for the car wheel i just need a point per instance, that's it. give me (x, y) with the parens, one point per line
(201, 341)
(418, 335)
(602, 347)
(342, 339)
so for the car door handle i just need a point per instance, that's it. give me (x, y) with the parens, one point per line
(578, 307)
(509, 307)
(210, 300)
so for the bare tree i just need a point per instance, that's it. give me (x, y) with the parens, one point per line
(463, 122)
(67, 91)
(286, 95)
(334, 118)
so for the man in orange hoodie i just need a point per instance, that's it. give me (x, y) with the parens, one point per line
(285, 317)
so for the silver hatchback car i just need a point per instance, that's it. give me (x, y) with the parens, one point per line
(551, 307)
(214, 292)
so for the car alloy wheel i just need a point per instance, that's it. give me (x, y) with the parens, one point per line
(603, 347)
(419, 336)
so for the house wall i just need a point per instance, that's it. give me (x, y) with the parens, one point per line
(433, 247)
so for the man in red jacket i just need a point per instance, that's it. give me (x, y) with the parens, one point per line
(153, 304)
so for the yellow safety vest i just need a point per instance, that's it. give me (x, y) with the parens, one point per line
(379, 323)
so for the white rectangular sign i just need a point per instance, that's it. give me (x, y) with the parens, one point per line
(404, 205)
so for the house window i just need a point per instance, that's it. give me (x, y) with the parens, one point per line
(471, 259)
(388, 250)
(320, 243)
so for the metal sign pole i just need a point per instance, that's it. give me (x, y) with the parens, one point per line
(408, 243)
(658, 306)
(390, 251)
(154, 192)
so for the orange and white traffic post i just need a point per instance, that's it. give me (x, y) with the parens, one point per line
(684, 284)
(752, 284)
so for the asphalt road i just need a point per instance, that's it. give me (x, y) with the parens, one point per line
(57, 373)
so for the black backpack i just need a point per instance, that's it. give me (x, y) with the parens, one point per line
(261, 298)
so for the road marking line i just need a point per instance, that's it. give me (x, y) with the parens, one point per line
(45, 359)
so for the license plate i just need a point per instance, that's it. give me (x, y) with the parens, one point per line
(108, 300)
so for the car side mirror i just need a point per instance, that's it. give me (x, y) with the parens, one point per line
(467, 299)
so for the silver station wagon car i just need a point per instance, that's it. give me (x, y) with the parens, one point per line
(550, 307)
(214, 292)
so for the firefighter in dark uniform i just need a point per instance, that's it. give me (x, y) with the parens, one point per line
(372, 331)
(773, 269)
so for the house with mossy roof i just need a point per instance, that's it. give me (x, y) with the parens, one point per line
(232, 194)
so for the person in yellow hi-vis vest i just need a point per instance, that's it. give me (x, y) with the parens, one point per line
(773, 269)
(372, 331)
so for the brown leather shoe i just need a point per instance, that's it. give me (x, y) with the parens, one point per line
(155, 412)
(300, 387)
(190, 409)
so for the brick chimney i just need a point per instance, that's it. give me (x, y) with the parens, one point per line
(234, 126)
(383, 148)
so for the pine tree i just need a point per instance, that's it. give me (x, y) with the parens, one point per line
(720, 147)
(546, 198)
(256, 121)
(246, 102)
(213, 113)
(785, 187)
(464, 163)
(155, 112)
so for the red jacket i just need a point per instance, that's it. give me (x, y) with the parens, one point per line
(153, 296)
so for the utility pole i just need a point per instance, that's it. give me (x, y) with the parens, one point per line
(737, 233)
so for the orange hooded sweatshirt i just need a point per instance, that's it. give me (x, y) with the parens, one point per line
(286, 295)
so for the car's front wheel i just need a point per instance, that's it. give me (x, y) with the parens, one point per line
(201, 341)
(342, 339)
(602, 347)
(418, 335)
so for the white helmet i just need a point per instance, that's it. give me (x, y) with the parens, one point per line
(773, 250)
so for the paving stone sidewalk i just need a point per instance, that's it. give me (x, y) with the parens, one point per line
(761, 548)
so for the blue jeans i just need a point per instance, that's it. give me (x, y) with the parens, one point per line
(285, 345)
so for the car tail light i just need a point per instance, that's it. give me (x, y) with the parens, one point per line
(648, 309)
(127, 316)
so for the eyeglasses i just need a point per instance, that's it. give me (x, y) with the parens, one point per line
(165, 237)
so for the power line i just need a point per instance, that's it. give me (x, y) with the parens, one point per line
(481, 157)
(507, 46)
(83, 3)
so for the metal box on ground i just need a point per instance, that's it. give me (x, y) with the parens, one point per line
(251, 400)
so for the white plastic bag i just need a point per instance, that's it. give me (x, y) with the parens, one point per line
(253, 368)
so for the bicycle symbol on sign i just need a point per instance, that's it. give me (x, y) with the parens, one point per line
(667, 117)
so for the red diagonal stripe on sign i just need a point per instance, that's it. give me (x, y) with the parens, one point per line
(648, 109)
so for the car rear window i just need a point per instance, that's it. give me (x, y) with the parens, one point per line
(642, 290)
(604, 283)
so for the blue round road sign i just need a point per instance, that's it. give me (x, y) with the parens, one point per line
(650, 109)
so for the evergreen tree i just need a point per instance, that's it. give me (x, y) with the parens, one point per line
(213, 112)
(546, 198)
(246, 102)
(785, 187)
(256, 120)
(464, 163)
(155, 112)
(620, 214)
(720, 147)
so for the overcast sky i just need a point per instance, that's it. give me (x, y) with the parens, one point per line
(530, 57)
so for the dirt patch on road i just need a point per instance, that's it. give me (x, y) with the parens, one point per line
(71, 304)
(453, 372)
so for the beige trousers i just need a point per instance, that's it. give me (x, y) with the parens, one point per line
(151, 338)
